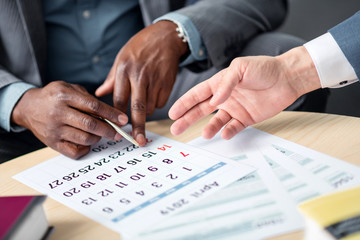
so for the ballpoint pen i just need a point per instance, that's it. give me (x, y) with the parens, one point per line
(121, 132)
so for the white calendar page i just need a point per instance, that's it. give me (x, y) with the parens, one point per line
(128, 188)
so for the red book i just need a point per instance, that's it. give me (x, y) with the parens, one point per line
(23, 217)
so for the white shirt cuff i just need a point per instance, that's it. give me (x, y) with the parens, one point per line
(333, 68)
(197, 49)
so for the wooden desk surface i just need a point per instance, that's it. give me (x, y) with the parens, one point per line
(335, 135)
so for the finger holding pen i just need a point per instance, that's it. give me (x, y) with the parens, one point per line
(121, 133)
(61, 115)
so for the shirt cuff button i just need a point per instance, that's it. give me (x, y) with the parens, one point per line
(343, 82)
(201, 52)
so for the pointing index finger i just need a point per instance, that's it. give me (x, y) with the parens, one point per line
(138, 114)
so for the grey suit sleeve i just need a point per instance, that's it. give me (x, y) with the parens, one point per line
(347, 36)
(227, 25)
(6, 78)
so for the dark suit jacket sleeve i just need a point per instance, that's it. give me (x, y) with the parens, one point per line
(347, 36)
(227, 25)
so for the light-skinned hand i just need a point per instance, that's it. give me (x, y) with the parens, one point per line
(249, 91)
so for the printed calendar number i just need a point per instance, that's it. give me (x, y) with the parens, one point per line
(174, 206)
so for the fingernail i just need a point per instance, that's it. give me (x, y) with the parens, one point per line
(123, 119)
(117, 137)
(140, 138)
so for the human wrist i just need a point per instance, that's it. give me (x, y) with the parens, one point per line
(18, 115)
(180, 48)
(197, 49)
(300, 69)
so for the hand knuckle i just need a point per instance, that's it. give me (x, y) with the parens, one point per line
(139, 127)
(78, 154)
(73, 154)
(138, 106)
(86, 139)
(89, 123)
(66, 150)
(121, 68)
(235, 62)
(91, 139)
(60, 94)
(79, 151)
(118, 100)
(94, 106)
(57, 84)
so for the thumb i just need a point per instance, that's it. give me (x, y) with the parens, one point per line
(231, 76)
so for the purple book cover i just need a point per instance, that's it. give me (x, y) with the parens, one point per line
(13, 209)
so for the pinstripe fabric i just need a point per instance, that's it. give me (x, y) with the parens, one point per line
(32, 18)
(152, 9)
(227, 26)
(23, 41)
(15, 47)
(346, 34)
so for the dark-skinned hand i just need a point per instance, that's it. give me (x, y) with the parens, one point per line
(62, 116)
(146, 69)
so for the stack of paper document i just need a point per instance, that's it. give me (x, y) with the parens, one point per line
(245, 188)
(261, 204)
(130, 189)
(333, 216)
